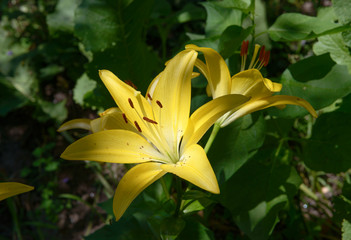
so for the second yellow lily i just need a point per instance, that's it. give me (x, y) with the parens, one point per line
(249, 82)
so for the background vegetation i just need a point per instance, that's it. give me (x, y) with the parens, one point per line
(282, 174)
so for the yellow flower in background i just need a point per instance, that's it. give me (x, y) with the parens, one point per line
(164, 138)
(249, 82)
(9, 189)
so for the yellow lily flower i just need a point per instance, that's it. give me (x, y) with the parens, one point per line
(164, 139)
(247, 82)
(9, 189)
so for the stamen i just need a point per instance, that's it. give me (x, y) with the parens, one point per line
(130, 102)
(130, 83)
(149, 120)
(159, 103)
(137, 126)
(257, 47)
(243, 54)
(266, 58)
(149, 96)
(262, 53)
(125, 117)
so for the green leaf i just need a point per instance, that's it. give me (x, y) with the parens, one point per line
(231, 40)
(259, 190)
(296, 26)
(320, 91)
(62, 19)
(342, 10)
(239, 4)
(124, 229)
(328, 149)
(195, 230)
(235, 145)
(113, 31)
(335, 45)
(55, 111)
(11, 99)
(219, 18)
(346, 230)
(83, 86)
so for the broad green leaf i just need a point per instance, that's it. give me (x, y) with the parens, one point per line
(113, 31)
(231, 39)
(342, 10)
(328, 149)
(346, 230)
(319, 90)
(235, 145)
(335, 45)
(219, 18)
(259, 190)
(296, 26)
(62, 19)
(83, 86)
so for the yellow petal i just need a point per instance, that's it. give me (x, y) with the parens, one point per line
(218, 75)
(259, 104)
(251, 83)
(133, 182)
(124, 95)
(113, 119)
(81, 123)
(9, 189)
(203, 118)
(194, 167)
(116, 146)
(173, 91)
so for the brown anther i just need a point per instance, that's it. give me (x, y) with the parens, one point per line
(149, 120)
(242, 48)
(246, 47)
(262, 53)
(159, 103)
(266, 58)
(137, 126)
(130, 83)
(130, 102)
(149, 96)
(125, 117)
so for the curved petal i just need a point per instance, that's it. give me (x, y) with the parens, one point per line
(81, 123)
(113, 119)
(172, 95)
(251, 83)
(115, 146)
(130, 102)
(259, 104)
(218, 73)
(133, 182)
(194, 167)
(203, 118)
(9, 189)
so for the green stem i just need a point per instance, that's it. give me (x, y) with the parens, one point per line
(164, 187)
(13, 210)
(213, 135)
(179, 196)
